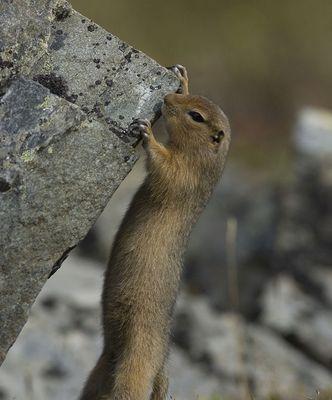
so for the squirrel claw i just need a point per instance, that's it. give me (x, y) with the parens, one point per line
(142, 128)
(181, 72)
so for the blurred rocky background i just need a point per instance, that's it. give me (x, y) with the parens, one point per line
(254, 317)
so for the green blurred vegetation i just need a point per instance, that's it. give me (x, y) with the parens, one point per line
(260, 60)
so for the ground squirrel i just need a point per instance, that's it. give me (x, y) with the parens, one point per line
(143, 274)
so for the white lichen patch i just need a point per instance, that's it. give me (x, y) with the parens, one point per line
(28, 155)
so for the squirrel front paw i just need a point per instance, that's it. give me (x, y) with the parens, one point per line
(181, 72)
(142, 128)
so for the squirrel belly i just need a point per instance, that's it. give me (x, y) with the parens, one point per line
(144, 270)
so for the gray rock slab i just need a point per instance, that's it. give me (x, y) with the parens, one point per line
(59, 172)
(290, 311)
(321, 276)
(313, 132)
(68, 91)
(78, 60)
(242, 353)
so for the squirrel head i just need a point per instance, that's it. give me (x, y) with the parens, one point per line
(196, 121)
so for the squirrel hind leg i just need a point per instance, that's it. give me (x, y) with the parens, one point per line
(95, 385)
(160, 385)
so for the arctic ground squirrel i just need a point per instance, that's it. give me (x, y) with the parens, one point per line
(144, 270)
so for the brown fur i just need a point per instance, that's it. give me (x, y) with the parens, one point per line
(143, 274)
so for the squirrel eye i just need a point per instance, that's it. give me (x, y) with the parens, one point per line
(196, 116)
(217, 137)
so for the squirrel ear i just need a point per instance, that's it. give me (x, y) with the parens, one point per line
(217, 137)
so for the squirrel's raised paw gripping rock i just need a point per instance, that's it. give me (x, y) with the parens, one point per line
(181, 72)
(141, 128)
